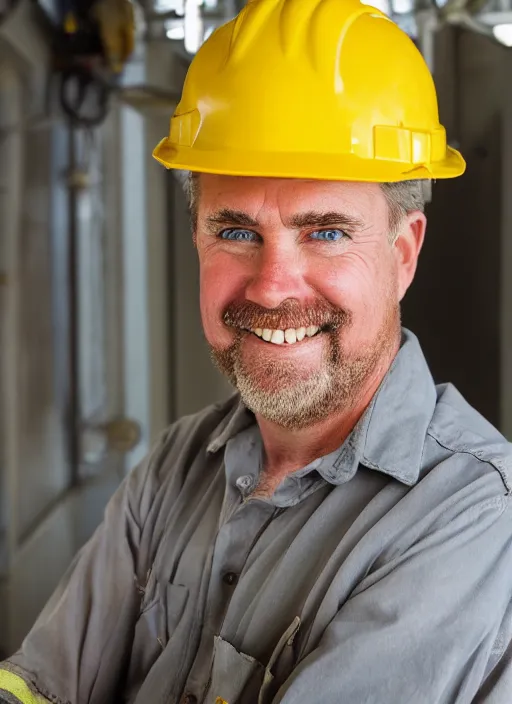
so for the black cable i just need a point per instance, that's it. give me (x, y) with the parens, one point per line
(80, 91)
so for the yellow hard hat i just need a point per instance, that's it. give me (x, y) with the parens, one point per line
(313, 89)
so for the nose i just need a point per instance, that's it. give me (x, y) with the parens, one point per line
(278, 275)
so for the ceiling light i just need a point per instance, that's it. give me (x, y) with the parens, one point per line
(382, 5)
(402, 7)
(194, 28)
(503, 33)
(177, 33)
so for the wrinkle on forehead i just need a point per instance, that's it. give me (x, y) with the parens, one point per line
(283, 202)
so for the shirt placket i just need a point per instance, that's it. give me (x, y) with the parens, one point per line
(245, 520)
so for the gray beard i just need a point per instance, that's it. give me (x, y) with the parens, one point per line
(294, 399)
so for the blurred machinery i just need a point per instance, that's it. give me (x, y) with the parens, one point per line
(421, 19)
(93, 39)
(91, 43)
(191, 21)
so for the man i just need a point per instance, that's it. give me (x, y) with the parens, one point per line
(341, 530)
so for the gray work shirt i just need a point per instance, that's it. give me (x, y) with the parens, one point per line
(379, 574)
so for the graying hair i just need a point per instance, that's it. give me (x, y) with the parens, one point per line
(402, 197)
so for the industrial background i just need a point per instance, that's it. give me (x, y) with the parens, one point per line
(101, 344)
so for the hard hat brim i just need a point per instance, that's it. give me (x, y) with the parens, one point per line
(325, 167)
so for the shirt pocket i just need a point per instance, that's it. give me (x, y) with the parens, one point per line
(158, 619)
(238, 678)
(233, 674)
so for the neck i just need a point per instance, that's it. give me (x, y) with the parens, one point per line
(289, 450)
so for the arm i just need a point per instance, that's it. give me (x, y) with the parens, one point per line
(78, 647)
(421, 629)
(497, 686)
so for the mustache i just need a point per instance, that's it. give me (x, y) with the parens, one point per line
(289, 314)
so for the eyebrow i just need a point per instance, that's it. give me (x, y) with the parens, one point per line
(228, 217)
(317, 219)
(312, 218)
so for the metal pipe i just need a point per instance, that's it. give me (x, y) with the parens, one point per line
(73, 420)
(427, 24)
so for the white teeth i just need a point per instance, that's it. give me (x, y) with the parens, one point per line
(290, 336)
(277, 337)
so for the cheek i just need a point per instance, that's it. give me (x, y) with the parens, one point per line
(349, 281)
(363, 288)
(217, 290)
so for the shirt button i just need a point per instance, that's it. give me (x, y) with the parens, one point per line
(244, 483)
(189, 699)
(230, 578)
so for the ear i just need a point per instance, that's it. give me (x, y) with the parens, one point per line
(407, 248)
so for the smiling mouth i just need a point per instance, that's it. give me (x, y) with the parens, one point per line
(290, 336)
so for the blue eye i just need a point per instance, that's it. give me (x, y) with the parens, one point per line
(238, 235)
(328, 235)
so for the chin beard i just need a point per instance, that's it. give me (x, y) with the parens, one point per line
(294, 397)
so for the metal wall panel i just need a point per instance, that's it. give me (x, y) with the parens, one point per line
(454, 304)
(44, 472)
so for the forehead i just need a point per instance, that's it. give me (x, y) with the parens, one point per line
(269, 200)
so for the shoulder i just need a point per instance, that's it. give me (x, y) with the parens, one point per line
(190, 436)
(182, 446)
(199, 429)
(461, 438)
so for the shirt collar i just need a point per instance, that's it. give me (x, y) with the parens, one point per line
(394, 427)
(390, 435)
(236, 419)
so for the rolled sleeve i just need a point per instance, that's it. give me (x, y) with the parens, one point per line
(422, 628)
